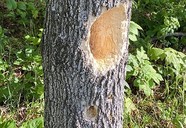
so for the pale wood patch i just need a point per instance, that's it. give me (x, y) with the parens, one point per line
(106, 34)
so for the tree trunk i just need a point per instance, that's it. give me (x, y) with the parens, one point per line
(85, 49)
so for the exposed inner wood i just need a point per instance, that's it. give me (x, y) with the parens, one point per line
(106, 35)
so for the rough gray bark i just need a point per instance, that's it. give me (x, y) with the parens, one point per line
(75, 95)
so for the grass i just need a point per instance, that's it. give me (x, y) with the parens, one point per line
(158, 111)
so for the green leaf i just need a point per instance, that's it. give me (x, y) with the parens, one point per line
(35, 123)
(151, 83)
(129, 105)
(35, 13)
(156, 53)
(141, 55)
(27, 37)
(37, 58)
(21, 13)
(129, 68)
(157, 78)
(135, 25)
(172, 58)
(148, 70)
(137, 82)
(133, 30)
(147, 90)
(21, 5)
(132, 37)
(132, 59)
(11, 4)
(3, 66)
(8, 124)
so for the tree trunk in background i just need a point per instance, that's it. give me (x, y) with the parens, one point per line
(84, 49)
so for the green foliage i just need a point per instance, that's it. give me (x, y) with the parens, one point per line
(28, 116)
(35, 123)
(20, 59)
(7, 123)
(11, 4)
(170, 25)
(22, 75)
(175, 64)
(129, 106)
(159, 19)
(163, 41)
(145, 75)
(22, 8)
(173, 58)
(134, 31)
(170, 87)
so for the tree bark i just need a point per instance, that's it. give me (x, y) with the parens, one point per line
(84, 50)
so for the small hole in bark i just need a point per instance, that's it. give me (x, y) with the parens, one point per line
(106, 36)
(91, 112)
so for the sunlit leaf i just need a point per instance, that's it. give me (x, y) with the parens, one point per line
(129, 105)
(133, 24)
(11, 4)
(156, 53)
(132, 37)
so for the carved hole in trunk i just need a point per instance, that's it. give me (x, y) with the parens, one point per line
(91, 113)
(106, 36)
